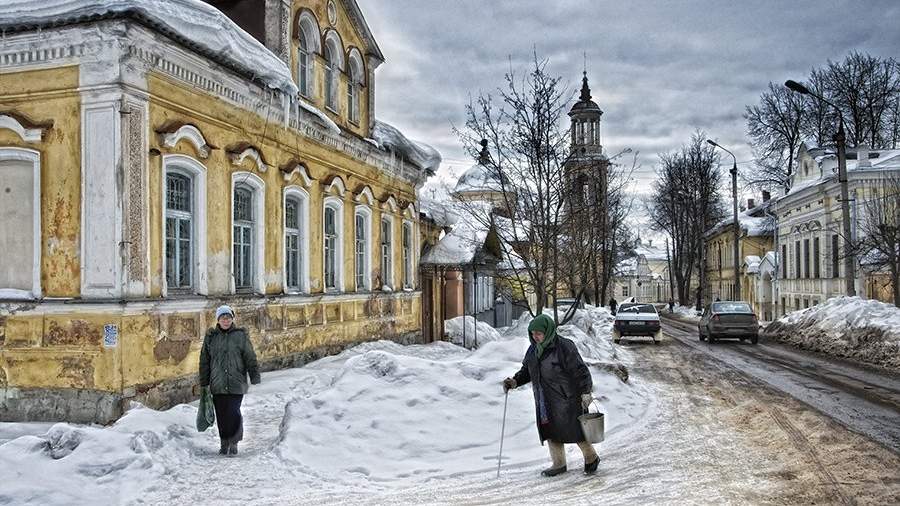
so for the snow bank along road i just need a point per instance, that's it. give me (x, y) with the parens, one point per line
(863, 399)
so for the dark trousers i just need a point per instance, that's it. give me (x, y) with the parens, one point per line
(228, 417)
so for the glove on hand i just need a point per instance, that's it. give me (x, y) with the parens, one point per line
(509, 384)
(586, 400)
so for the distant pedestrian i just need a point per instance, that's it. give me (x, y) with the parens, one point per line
(671, 306)
(562, 391)
(226, 359)
(612, 305)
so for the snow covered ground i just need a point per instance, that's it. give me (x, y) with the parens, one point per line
(376, 418)
(852, 327)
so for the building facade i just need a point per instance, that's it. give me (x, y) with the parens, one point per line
(155, 175)
(810, 245)
(756, 239)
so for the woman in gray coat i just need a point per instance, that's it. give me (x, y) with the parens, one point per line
(226, 359)
(562, 385)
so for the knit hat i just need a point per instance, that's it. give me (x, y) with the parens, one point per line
(224, 309)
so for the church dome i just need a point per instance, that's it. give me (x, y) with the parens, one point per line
(481, 177)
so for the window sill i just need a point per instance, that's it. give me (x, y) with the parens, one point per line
(331, 110)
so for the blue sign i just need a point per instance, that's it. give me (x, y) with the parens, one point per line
(110, 336)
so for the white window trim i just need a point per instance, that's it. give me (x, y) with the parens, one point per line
(33, 157)
(259, 221)
(338, 205)
(196, 171)
(367, 267)
(387, 278)
(308, 24)
(302, 196)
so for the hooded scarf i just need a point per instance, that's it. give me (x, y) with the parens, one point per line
(545, 324)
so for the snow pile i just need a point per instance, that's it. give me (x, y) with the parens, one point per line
(420, 154)
(394, 414)
(192, 22)
(321, 116)
(377, 417)
(86, 463)
(461, 332)
(853, 327)
(688, 313)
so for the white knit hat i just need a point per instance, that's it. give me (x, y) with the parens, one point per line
(224, 309)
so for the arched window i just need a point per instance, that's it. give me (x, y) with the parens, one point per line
(333, 244)
(331, 78)
(296, 240)
(362, 247)
(184, 229)
(304, 62)
(20, 228)
(243, 237)
(334, 64)
(179, 231)
(387, 251)
(248, 231)
(354, 83)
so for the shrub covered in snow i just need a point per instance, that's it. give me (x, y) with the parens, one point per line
(688, 313)
(853, 327)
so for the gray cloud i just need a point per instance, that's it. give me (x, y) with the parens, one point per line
(659, 69)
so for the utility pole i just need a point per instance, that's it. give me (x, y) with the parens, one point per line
(840, 139)
(736, 295)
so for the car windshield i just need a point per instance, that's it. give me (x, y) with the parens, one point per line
(731, 307)
(637, 308)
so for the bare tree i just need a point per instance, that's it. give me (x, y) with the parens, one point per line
(879, 243)
(528, 148)
(686, 202)
(775, 127)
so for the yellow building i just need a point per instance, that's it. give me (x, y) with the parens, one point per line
(756, 239)
(158, 161)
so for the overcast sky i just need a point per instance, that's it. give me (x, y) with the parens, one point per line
(659, 70)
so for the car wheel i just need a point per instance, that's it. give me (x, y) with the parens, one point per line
(712, 338)
(700, 334)
(754, 338)
(742, 338)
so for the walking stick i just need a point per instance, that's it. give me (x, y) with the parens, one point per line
(502, 430)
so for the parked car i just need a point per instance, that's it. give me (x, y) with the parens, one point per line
(636, 319)
(729, 319)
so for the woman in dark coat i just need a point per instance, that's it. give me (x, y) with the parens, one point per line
(226, 359)
(562, 391)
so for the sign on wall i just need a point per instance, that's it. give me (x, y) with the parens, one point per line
(110, 335)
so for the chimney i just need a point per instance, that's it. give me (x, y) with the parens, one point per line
(862, 157)
(766, 196)
(750, 203)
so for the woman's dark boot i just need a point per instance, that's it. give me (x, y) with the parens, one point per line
(223, 450)
(232, 448)
(591, 467)
(553, 471)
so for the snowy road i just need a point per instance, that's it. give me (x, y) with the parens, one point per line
(863, 399)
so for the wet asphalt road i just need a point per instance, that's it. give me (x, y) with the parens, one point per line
(865, 400)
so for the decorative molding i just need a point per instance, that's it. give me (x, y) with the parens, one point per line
(191, 134)
(28, 132)
(136, 212)
(296, 167)
(332, 183)
(390, 203)
(238, 157)
(364, 195)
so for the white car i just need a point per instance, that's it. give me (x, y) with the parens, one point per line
(637, 319)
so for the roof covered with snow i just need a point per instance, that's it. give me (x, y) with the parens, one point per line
(826, 162)
(458, 247)
(420, 154)
(193, 23)
(754, 222)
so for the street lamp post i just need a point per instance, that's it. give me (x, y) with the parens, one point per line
(736, 295)
(840, 139)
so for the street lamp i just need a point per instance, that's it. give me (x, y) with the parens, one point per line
(737, 226)
(841, 140)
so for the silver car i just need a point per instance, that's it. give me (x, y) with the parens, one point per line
(729, 319)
